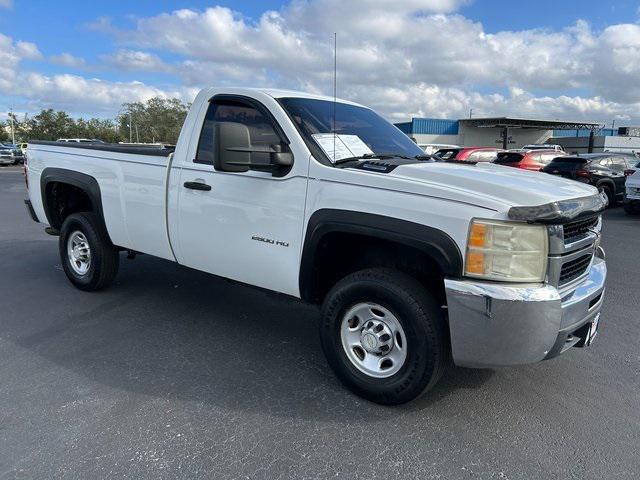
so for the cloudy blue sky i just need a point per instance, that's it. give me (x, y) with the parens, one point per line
(438, 58)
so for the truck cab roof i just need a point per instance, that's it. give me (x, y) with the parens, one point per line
(274, 93)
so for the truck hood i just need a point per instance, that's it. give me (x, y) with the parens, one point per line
(494, 186)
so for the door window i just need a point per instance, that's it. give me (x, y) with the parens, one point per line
(547, 158)
(482, 156)
(261, 129)
(618, 164)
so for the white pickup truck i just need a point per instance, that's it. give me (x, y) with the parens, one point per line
(414, 262)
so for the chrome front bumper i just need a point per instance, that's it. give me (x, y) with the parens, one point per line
(493, 324)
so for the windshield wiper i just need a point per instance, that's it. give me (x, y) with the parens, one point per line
(369, 156)
(357, 158)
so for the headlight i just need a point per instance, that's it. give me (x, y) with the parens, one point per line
(507, 251)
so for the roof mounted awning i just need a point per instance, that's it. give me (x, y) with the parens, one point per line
(507, 122)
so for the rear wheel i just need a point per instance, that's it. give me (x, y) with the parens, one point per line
(88, 257)
(384, 336)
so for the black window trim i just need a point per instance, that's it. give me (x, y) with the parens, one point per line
(252, 102)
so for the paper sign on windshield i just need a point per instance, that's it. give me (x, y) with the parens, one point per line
(341, 146)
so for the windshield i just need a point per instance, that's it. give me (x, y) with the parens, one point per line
(568, 163)
(359, 130)
(447, 153)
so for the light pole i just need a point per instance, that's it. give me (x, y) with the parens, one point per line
(13, 136)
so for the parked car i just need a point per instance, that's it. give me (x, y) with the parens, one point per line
(431, 148)
(632, 192)
(355, 221)
(606, 171)
(18, 156)
(544, 146)
(6, 156)
(527, 159)
(467, 154)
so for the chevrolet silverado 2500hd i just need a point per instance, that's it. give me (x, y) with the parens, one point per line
(413, 262)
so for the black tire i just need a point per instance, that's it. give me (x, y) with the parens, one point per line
(421, 319)
(609, 193)
(105, 259)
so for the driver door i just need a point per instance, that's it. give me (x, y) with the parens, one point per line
(246, 226)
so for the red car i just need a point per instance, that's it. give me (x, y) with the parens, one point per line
(467, 154)
(534, 160)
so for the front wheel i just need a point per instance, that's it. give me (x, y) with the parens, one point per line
(88, 257)
(384, 336)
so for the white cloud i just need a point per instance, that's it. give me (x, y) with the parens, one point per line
(135, 60)
(73, 92)
(448, 102)
(400, 47)
(90, 95)
(67, 60)
(411, 57)
(11, 54)
(6, 3)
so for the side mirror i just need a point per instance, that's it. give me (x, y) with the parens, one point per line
(234, 152)
(231, 142)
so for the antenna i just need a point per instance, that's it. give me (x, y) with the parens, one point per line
(335, 75)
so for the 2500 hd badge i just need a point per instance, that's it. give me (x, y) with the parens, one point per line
(270, 240)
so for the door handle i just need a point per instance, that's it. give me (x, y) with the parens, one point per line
(197, 186)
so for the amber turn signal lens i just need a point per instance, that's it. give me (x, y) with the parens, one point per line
(478, 235)
(475, 263)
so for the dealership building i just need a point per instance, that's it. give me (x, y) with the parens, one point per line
(507, 132)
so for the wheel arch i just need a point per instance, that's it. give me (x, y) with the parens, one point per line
(433, 244)
(607, 182)
(87, 184)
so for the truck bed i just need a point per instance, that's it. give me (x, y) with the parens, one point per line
(131, 185)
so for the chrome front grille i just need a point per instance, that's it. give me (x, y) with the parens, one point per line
(574, 269)
(575, 231)
(571, 251)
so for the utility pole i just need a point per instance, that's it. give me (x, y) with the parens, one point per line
(130, 129)
(13, 136)
(137, 136)
(470, 112)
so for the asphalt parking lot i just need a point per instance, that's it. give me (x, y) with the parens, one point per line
(172, 373)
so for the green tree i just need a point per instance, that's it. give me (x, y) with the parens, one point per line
(4, 135)
(156, 120)
(50, 125)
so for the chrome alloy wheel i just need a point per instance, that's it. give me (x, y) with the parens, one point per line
(79, 252)
(373, 340)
